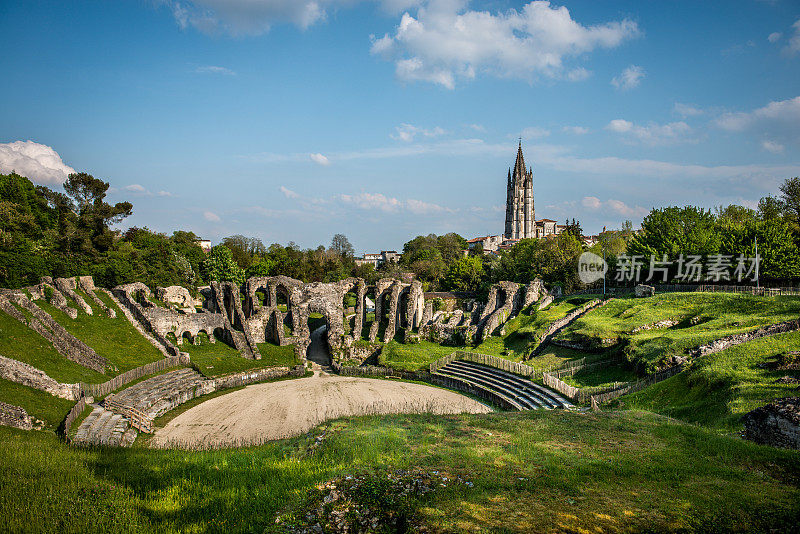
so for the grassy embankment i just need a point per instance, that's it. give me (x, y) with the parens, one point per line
(718, 389)
(528, 471)
(717, 315)
(521, 335)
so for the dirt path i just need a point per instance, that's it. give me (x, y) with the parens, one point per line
(277, 410)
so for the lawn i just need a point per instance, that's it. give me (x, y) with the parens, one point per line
(719, 388)
(114, 339)
(533, 471)
(718, 315)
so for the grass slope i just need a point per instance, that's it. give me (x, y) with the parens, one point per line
(534, 471)
(720, 314)
(43, 406)
(719, 388)
(19, 342)
(114, 339)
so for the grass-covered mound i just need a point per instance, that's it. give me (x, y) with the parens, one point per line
(115, 339)
(534, 471)
(702, 317)
(719, 388)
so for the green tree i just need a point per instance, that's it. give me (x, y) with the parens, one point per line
(465, 274)
(341, 245)
(220, 266)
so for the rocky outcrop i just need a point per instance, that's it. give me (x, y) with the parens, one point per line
(27, 375)
(14, 416)
(86, 283)
(642, 291)
(67, 287)
(177, 297)
(776, 424)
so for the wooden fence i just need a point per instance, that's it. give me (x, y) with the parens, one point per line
(73, 414)
(100, 390)
(631, 387)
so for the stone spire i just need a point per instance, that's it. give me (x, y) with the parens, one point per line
(519, 165)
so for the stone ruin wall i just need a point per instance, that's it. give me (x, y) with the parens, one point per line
(244, 317)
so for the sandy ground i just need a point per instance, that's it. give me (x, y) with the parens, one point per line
(277, 410)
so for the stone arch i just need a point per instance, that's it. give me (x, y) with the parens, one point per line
(402, 306)
(204, 336)
(186, 336)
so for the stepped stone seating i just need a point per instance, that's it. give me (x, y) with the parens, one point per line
(104, 427)
(517, 391)
(157, 395)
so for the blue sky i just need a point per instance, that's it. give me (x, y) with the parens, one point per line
(292, 120)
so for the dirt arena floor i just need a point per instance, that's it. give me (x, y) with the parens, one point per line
(263, 412)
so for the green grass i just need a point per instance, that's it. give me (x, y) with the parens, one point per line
(19, 342)
(721, 314)
(534, 471)
(412, 357)
(43, 406)
(719, 388)
(601, 376)
(215, 359)
(114, 339)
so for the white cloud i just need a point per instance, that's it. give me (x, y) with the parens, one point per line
(380, 202)
(617, 206)
(164, 194)
(137, 188)
(794, 41)
(211, 216)
(37, 162)
(213, 69)
(576, 130)
(288, 193)
(629, 78)
(591, 202)
(772, 146)
(774, 37)
(477, 127)
(445, 42)
(687, 110)
(776, 121)
(373, 201)
(407, 132)
(652, 134)
(534, 132)
(319, 159)
(248, 17)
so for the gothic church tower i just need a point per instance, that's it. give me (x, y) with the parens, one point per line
(520, 213)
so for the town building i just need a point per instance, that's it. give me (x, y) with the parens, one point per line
(378, 259)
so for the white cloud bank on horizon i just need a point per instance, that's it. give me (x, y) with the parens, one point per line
(446, 43)
(39, 163)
